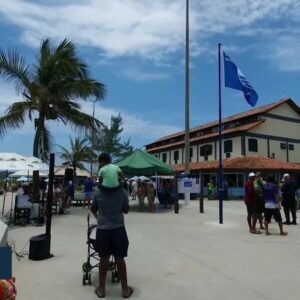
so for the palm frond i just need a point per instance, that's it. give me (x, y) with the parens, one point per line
(14, 69)
(79, 120)
(14, 116)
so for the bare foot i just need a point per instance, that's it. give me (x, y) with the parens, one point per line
(283, 233)
(268, 233)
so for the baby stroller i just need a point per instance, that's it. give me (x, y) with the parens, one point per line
(93, 259)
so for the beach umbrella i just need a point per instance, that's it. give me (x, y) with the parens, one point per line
(23, 179)
(27, 173)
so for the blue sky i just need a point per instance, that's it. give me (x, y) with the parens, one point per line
(136, 48)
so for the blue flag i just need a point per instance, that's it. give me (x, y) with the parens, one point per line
(235, 79)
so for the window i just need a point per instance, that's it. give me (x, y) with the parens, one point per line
(227, 155)
(206, 150)
(164, 157)
(283, 146)
(227, 146)
(191, 152)
(252, 145)
(176, 155)
(291, 147)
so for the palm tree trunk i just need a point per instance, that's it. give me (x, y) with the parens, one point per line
(39, 125)
(74, 169)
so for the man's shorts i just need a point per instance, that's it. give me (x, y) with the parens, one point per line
(252, 208)
(112, 242)
(88, 195)
(275, 212)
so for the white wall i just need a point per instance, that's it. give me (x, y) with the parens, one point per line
(3, 234)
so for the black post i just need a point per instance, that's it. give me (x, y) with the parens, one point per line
(201, 206)
(220, 173)
(176, 204)
(50, 194)
(4, 191)
(36, 187)
(39, 246)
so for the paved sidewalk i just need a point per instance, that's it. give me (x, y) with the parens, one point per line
(186, 256)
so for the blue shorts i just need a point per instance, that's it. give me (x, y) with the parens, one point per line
(112, 242)
(88, 195)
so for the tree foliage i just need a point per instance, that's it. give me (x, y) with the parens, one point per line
(51, 88)
(80, 152)
(108, 139)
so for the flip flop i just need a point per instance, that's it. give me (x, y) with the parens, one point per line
(99, 293)
(130, 292)
(255, 232)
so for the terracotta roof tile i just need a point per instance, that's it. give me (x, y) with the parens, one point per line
(247, 164)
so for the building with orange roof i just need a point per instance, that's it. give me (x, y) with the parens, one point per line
(265, 139)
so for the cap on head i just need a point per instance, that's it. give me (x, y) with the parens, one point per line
(286, 175)
(252, 174)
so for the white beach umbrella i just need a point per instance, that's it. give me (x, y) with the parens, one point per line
(27, 173)
(23, 179)
(16, 162)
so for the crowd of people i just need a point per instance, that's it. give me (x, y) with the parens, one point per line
(264, 199)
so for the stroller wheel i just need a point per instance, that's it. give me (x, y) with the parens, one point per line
(86, 267)
(111, 265)
(83, 280)
(117, 278)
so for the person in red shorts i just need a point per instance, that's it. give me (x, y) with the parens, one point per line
(251, 203)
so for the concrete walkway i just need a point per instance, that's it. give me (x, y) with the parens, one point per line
(186, 256)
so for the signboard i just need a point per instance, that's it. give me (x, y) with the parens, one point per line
(189, 185)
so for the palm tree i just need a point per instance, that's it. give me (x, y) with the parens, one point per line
(51, 88)
(80, 152)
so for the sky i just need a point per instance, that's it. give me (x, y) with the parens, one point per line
(137, 49)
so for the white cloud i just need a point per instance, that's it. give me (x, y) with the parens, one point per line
(136, 74)
(146, 28)
(7, 96)
(135, 127)
(285, 53)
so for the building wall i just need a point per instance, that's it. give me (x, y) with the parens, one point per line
(262, 147)
(279, 128)
(285, 110)
(236, 148)
(180, 157)
(275, 148)
(269, 136)
(209, 157)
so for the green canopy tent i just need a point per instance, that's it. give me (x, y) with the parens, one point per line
(143, 163)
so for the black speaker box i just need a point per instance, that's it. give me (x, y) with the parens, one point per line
(39, 247)
(69, 176)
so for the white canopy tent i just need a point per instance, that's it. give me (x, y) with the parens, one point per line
(23, 179)
(27, 173)
(16, 162)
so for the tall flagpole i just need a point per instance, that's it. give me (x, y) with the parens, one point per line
(220, 172)
(187, 94)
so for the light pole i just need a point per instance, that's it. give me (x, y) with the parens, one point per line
(187, 94)
(93, 138)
